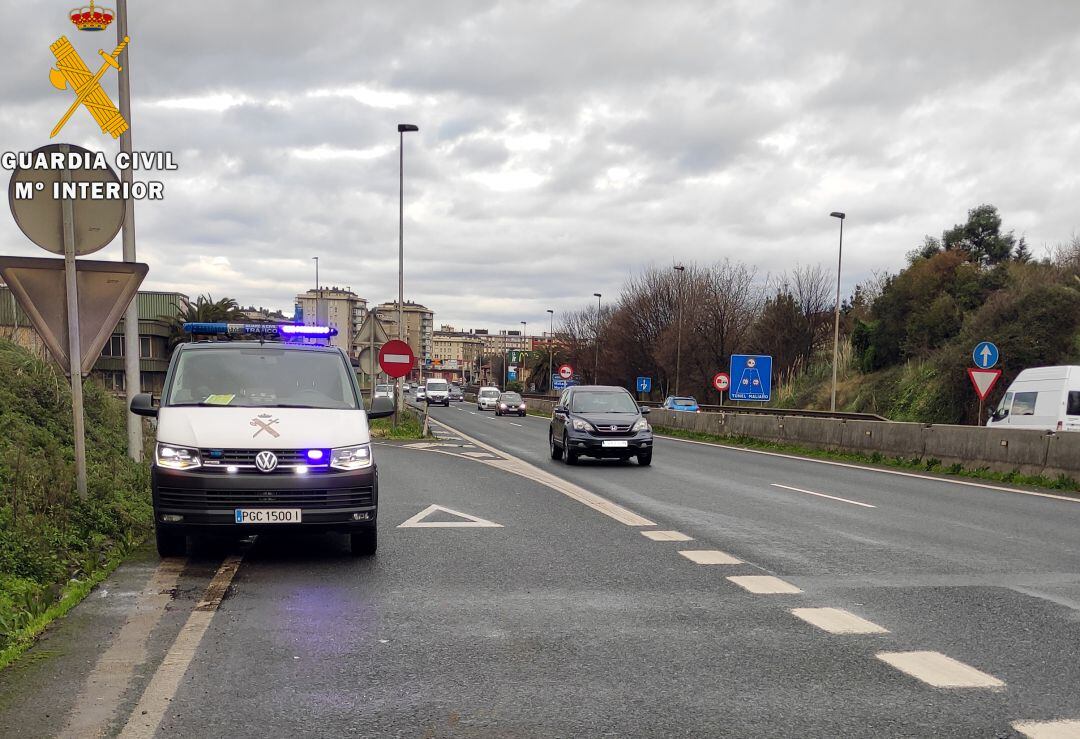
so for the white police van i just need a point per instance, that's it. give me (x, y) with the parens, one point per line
(262, 435)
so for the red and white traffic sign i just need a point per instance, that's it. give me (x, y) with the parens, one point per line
(721, 381)
(396, 358)
(983, 380)
(566, 372)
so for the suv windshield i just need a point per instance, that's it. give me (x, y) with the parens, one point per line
(437, 385)
(261, 377)
(602, 401)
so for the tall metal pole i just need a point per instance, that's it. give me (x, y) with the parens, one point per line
(551, 348)
(74, 347)
(132, 381)
(678, 343)
(596, 356)
(836, 323)
(521, 357)
(318, 293)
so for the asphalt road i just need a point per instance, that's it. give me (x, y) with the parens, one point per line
(565, 619)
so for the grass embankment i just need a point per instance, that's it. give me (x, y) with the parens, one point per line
(410, 426)
(911, 464)
(54, 546)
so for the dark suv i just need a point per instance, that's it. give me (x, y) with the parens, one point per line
(599, 421)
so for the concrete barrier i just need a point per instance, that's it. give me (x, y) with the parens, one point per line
(1001, 450)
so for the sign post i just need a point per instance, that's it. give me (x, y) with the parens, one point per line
(73, 228)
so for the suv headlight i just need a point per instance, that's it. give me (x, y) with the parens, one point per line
(351, 457)
(176, 457)
(581, 424)
(641, 425)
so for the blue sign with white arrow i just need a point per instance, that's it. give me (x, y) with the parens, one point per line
(985, 355)
(644, 384)
(751, 377)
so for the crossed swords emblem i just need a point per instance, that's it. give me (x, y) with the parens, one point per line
(72, 71)
(264, 426)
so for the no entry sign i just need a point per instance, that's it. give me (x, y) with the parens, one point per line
(721, 381)
(396, 358)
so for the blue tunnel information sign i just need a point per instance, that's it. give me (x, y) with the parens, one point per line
(751, 377)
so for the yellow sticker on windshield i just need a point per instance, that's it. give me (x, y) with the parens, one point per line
(219, 399)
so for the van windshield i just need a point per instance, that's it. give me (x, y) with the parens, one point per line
(261, 377)
(438, 386)
(489, 393)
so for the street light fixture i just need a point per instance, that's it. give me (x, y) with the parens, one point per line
(550, 347)
(596, 356)
(836, 323)
(678, 343)
(402, 128)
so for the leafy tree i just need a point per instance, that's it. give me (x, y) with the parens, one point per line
(981, 237)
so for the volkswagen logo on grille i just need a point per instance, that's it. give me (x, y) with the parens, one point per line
(266, 461)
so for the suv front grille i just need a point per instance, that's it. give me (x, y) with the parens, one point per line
(169, 497)
(618, 429)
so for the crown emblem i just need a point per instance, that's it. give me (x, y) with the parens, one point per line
(89, 18)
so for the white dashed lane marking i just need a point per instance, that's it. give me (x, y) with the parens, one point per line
(838, 621)
(666, 536)
(823, 495)
(709, 556)
(939, 670)
(764, 584)
(1066, 729)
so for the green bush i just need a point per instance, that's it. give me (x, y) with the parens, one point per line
(48, 535)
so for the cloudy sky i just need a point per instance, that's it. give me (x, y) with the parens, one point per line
(564, 145)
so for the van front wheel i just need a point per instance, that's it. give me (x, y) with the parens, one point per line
(170, 542)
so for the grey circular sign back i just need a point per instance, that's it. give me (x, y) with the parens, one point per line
(40, 216)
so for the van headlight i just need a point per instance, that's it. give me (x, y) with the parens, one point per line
(176, 457)
(641, 425)
(351, 457)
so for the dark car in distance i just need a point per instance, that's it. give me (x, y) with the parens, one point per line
(510, 404)
(599, 421)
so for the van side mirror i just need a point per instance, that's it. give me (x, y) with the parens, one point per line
(143, 405)
(381, 408)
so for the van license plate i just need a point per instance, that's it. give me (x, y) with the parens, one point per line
(616, 443)
(268, 515)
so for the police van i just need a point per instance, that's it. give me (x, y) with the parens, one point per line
(264, 432)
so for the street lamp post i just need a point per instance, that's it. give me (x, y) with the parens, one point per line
(836, 323)
(402, 128)
(678, 343)
(521, 355)
(550, 347)
(318, 292)
(596, 355)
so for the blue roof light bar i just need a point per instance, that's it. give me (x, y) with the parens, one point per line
(285, 330)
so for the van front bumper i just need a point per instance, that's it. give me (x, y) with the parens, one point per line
(328, 501)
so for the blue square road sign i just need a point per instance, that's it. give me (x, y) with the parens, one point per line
(751, 377)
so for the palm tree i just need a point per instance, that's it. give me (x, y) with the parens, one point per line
(537, 364)
(204, 310)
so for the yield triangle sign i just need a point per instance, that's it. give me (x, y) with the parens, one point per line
(464, 520)
(983, 380)
(371, 325)
(105, 291)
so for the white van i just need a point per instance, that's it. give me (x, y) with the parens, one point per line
(255, 436)
(437, 391)
(487, 398)
(1043, 398)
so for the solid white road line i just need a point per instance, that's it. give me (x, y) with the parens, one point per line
(1067, 729)
(710, 557)
(939, 670)
(838, 621)
(532, 472)
(150, 710)
(822, 495)
(968, 483)
(516, 424)
(666, 536)
(764, 584)
(109, 680)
